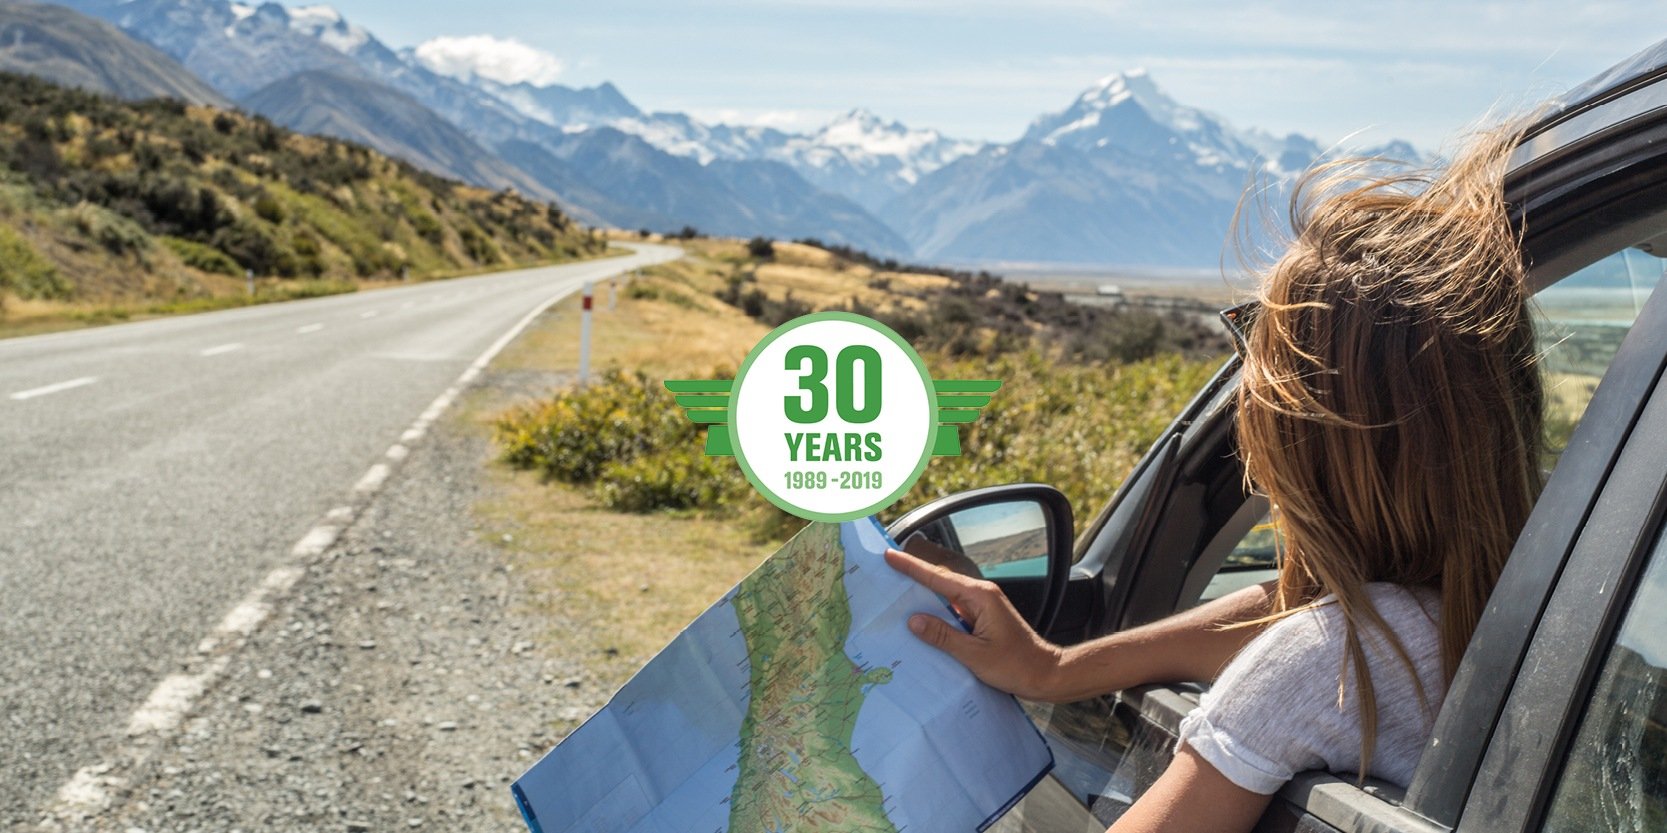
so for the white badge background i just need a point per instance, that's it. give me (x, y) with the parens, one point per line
(761, 423)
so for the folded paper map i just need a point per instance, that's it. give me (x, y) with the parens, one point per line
(798, 702)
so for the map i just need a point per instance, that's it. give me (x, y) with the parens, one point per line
(798, 702)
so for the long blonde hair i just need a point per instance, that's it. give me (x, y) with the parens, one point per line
(1390, 406)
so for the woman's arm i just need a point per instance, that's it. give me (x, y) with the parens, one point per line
(1003, 651)
(1192, 795)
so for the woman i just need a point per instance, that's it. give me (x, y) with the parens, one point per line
(1390, 410)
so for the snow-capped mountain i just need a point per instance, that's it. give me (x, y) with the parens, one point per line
(869, 160)
(858, 155)
(1123, 174)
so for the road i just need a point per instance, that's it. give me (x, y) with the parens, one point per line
(152, 473)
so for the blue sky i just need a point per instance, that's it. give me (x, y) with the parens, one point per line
(982, 70)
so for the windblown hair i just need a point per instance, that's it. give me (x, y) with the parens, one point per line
(1391, 404)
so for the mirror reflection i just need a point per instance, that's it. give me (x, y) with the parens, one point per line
(995, 540)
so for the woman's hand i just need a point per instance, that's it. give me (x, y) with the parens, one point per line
(1002, 649)
(921, 547)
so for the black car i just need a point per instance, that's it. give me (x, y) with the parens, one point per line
(1557, 719)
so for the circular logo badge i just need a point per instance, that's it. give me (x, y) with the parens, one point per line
(833, 416)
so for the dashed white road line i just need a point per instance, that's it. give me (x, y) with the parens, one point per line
(222, 349)
(88, 792)
(309, 328)
(368, 314)
(54, 388)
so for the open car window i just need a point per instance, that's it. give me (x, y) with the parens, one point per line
(1580, 320)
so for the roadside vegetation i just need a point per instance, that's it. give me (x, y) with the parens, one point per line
(1086, 389)
(111, 209)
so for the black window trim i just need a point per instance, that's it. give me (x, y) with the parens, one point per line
(1523, 763)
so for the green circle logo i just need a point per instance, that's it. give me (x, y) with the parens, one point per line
(833, 416)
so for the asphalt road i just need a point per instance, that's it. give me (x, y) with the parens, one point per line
(152, 473)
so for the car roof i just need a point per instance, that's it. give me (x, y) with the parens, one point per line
(1640, 68)
(1586, 110)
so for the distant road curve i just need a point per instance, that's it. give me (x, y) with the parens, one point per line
(151, 473)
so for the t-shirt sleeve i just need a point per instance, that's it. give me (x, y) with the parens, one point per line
(1273, 712)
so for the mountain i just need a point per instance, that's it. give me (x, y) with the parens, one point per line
(311, 69)
(554, 104)
(359, 110)
(646, 187)
(1034, 202)
(868, 160)
(236, 48)
(1123, 175)
(857, 156)
(74, 50)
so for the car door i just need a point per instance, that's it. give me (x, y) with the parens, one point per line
(1591, 189)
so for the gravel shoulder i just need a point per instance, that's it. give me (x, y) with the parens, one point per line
(407, 680)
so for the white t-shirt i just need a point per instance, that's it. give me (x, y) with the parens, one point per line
(1274, 711)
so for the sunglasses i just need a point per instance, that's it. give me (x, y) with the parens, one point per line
(1237, 320)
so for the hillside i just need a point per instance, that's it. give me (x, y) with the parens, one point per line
(78, 51)
(328, 104)
(103, 201)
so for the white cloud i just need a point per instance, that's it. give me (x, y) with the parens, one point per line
(505, 60)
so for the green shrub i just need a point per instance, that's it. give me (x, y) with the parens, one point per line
(117, 234)
(200, 257)
(571, 437)
(269, 209)
(676, 477)
(761, 247)
(25, 272)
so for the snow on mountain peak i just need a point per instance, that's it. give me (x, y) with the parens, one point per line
(1137, 85)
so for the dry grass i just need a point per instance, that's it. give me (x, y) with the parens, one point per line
(682, 331)
(637, 579)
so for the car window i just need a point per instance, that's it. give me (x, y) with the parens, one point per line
(1580, 320)
(1615, 777)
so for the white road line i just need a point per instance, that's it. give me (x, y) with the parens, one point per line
(89, 791)
(57, 388)
(309, 328)
(370, 314)
(222, 349)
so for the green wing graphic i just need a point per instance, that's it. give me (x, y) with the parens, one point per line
(707, 402)
(959, 401)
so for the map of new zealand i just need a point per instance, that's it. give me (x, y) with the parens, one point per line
(798, 702)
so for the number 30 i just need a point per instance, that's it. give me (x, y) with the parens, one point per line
(813, 384)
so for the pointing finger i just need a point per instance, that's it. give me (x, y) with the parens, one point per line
(953, 586)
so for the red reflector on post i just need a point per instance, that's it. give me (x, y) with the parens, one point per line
(587, 303)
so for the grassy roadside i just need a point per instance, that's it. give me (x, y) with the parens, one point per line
(1071, 414)
(27, 317)
(638, 579)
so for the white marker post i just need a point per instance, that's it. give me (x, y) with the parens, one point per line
(584, 337)
(613, 294)
(249, 281)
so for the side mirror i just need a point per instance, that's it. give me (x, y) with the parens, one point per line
(1018, 536)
